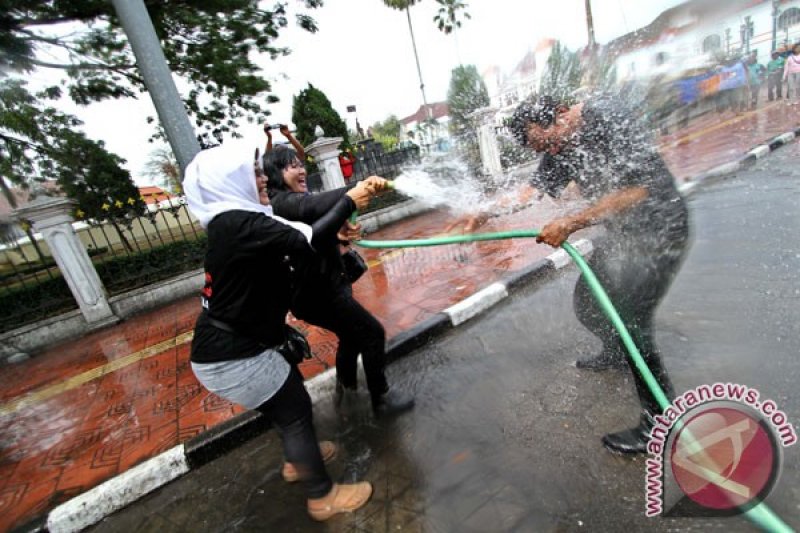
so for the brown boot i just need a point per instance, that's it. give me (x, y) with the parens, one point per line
(326, 448)
(341, 499)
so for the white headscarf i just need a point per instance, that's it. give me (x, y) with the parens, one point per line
(223, 179)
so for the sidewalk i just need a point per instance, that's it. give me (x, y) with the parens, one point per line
(88, 410)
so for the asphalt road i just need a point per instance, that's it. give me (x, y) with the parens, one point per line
(506, 433)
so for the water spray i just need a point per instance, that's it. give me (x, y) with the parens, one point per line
(760, 514)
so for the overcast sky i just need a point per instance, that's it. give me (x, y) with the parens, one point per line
(362, 56)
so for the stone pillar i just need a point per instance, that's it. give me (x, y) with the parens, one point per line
(487, 140)
(325, 150)
(51, 217)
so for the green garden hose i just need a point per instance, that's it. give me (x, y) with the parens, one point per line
(759, 514)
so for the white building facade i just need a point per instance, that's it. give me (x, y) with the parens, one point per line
(690, 35)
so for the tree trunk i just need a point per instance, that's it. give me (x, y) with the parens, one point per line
(122, 236)
(419, 70)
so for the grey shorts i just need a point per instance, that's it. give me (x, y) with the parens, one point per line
(248, 382)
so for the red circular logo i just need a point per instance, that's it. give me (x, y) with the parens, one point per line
(724, 458)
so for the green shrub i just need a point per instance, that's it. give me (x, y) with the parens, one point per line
(123, 273)
(34, 301)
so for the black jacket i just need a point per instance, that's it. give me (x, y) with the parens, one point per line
(254, 265)
(326, 276)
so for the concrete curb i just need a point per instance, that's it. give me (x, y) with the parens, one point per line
(753, 155)
(114, 494)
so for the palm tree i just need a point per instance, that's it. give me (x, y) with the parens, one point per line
(405, 5)
(447, 19)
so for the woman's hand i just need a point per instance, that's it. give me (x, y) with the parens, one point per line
(378, 183)
(350, 231)
(284, 129)
(361, 194)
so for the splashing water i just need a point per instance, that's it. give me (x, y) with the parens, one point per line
(442, 181)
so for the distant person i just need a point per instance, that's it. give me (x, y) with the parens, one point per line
(603, 147)
(347, 162)
(791, 75)
(238, 351)
(775, 76)
(755, 72)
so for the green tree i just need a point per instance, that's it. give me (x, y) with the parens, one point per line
(388, 131)
(389, 127)
(311, 108)
(562, 74)
(39, 142)
(208, 43)
(467, 92)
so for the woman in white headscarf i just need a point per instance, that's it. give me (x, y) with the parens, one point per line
(253, 260)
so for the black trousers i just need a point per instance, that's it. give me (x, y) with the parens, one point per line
(635, 271)
(290, 411)
(359, 332)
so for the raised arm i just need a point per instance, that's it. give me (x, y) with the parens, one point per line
(301, 152)
(268, 148)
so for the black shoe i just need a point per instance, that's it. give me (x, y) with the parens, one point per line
(630, 441)
(605, 361)
(392, 403)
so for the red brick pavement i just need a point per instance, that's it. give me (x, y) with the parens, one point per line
(86, 410)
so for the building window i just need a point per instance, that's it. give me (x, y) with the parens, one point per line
(712, 43)
(788, 18)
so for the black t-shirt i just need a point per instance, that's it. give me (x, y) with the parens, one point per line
(251, 268)
(613, 150)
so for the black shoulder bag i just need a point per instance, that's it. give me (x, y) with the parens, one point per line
(354, 265)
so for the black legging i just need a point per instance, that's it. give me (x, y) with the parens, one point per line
(290, 411)
(635, 271)
(359, 332)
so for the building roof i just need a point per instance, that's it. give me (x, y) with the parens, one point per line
(545, 43)
(152, 194)
(527, 65)
(664, 24)
(438, 110)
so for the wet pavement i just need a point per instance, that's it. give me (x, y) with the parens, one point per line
(718, 138)
(86, 410)
(506, 432)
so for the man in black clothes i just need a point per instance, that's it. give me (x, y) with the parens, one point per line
(603, 147)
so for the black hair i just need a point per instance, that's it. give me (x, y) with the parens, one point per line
(275, 162)
(541, 111)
